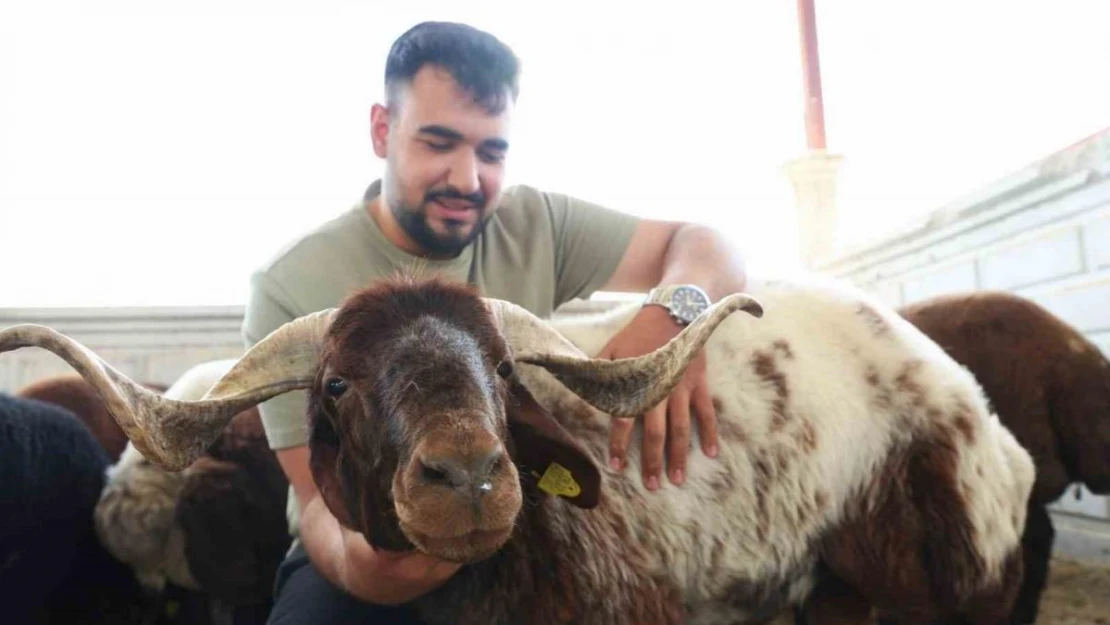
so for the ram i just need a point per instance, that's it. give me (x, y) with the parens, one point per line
(856, 454)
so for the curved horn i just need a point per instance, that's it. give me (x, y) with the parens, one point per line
(522, 328)
(174, 433)
(628, 387)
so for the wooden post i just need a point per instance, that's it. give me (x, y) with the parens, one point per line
(811, 76)
(813, 175)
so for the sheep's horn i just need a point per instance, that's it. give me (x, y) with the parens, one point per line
(174, 433)
(628, 387)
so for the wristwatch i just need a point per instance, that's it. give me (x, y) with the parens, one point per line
(684, 302)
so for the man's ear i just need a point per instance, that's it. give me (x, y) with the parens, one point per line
(545, 450)
(379, 129)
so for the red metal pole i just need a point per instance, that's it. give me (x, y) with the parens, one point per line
(811, 75)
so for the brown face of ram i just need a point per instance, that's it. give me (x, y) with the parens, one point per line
(409, 437)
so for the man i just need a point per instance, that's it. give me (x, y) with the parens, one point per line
(444, 132)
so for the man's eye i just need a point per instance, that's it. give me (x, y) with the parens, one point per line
(490, 157)
(439, 147)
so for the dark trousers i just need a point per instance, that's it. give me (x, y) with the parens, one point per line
(303, 596)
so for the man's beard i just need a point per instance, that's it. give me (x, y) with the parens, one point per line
(414, 221)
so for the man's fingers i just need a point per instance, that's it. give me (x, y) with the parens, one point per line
(678, 435)
(620, 431)
(706, 415)
(655, 436)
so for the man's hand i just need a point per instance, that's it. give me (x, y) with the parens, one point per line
(345, 558)
(667, 426)
(389, 577)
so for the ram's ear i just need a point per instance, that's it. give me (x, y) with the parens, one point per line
(545, 450)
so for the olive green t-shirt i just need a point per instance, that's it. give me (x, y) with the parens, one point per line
(539, 250)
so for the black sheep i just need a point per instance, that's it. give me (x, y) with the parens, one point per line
(52, 567)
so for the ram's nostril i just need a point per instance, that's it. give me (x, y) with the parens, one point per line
(434, 475)
(492, 463)
(463, 471)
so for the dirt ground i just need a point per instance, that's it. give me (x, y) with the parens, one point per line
(1077, 594)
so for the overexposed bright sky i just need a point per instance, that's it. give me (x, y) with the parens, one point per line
(156, 152)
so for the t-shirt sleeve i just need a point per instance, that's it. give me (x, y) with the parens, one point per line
(283, 417)
(590, 241)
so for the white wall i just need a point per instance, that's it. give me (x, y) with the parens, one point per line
(149, 345)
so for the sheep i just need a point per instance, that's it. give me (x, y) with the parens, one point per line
(1049, 385)
(231, 510)
(75, 394)
(137, 508)
(52, 568)
(855, 452)
(218, 527)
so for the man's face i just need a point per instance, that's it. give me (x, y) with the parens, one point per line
(445, 159)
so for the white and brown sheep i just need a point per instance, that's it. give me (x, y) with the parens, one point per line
(135, 516)
(855, 452)
(232, 511)
(1048, 384)
(218, 527)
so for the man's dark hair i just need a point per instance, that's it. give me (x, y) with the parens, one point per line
(479, 62)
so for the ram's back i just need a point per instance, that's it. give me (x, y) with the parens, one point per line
(828, 400)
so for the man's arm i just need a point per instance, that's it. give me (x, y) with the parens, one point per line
(344, 557)
(662, 253)
(341, 555)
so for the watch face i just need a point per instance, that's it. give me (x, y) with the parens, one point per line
(688, 303)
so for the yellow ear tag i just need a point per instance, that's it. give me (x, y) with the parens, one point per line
(557, 480)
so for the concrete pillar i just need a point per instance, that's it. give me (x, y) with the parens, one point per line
(813, 176)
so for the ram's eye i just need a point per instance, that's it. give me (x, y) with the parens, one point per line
(505, 369)
(335, 387)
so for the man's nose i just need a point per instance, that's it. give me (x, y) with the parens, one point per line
(464, 173)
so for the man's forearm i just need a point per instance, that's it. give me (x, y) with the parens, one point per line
(322, 537)
(702, 256)
(326, 543)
